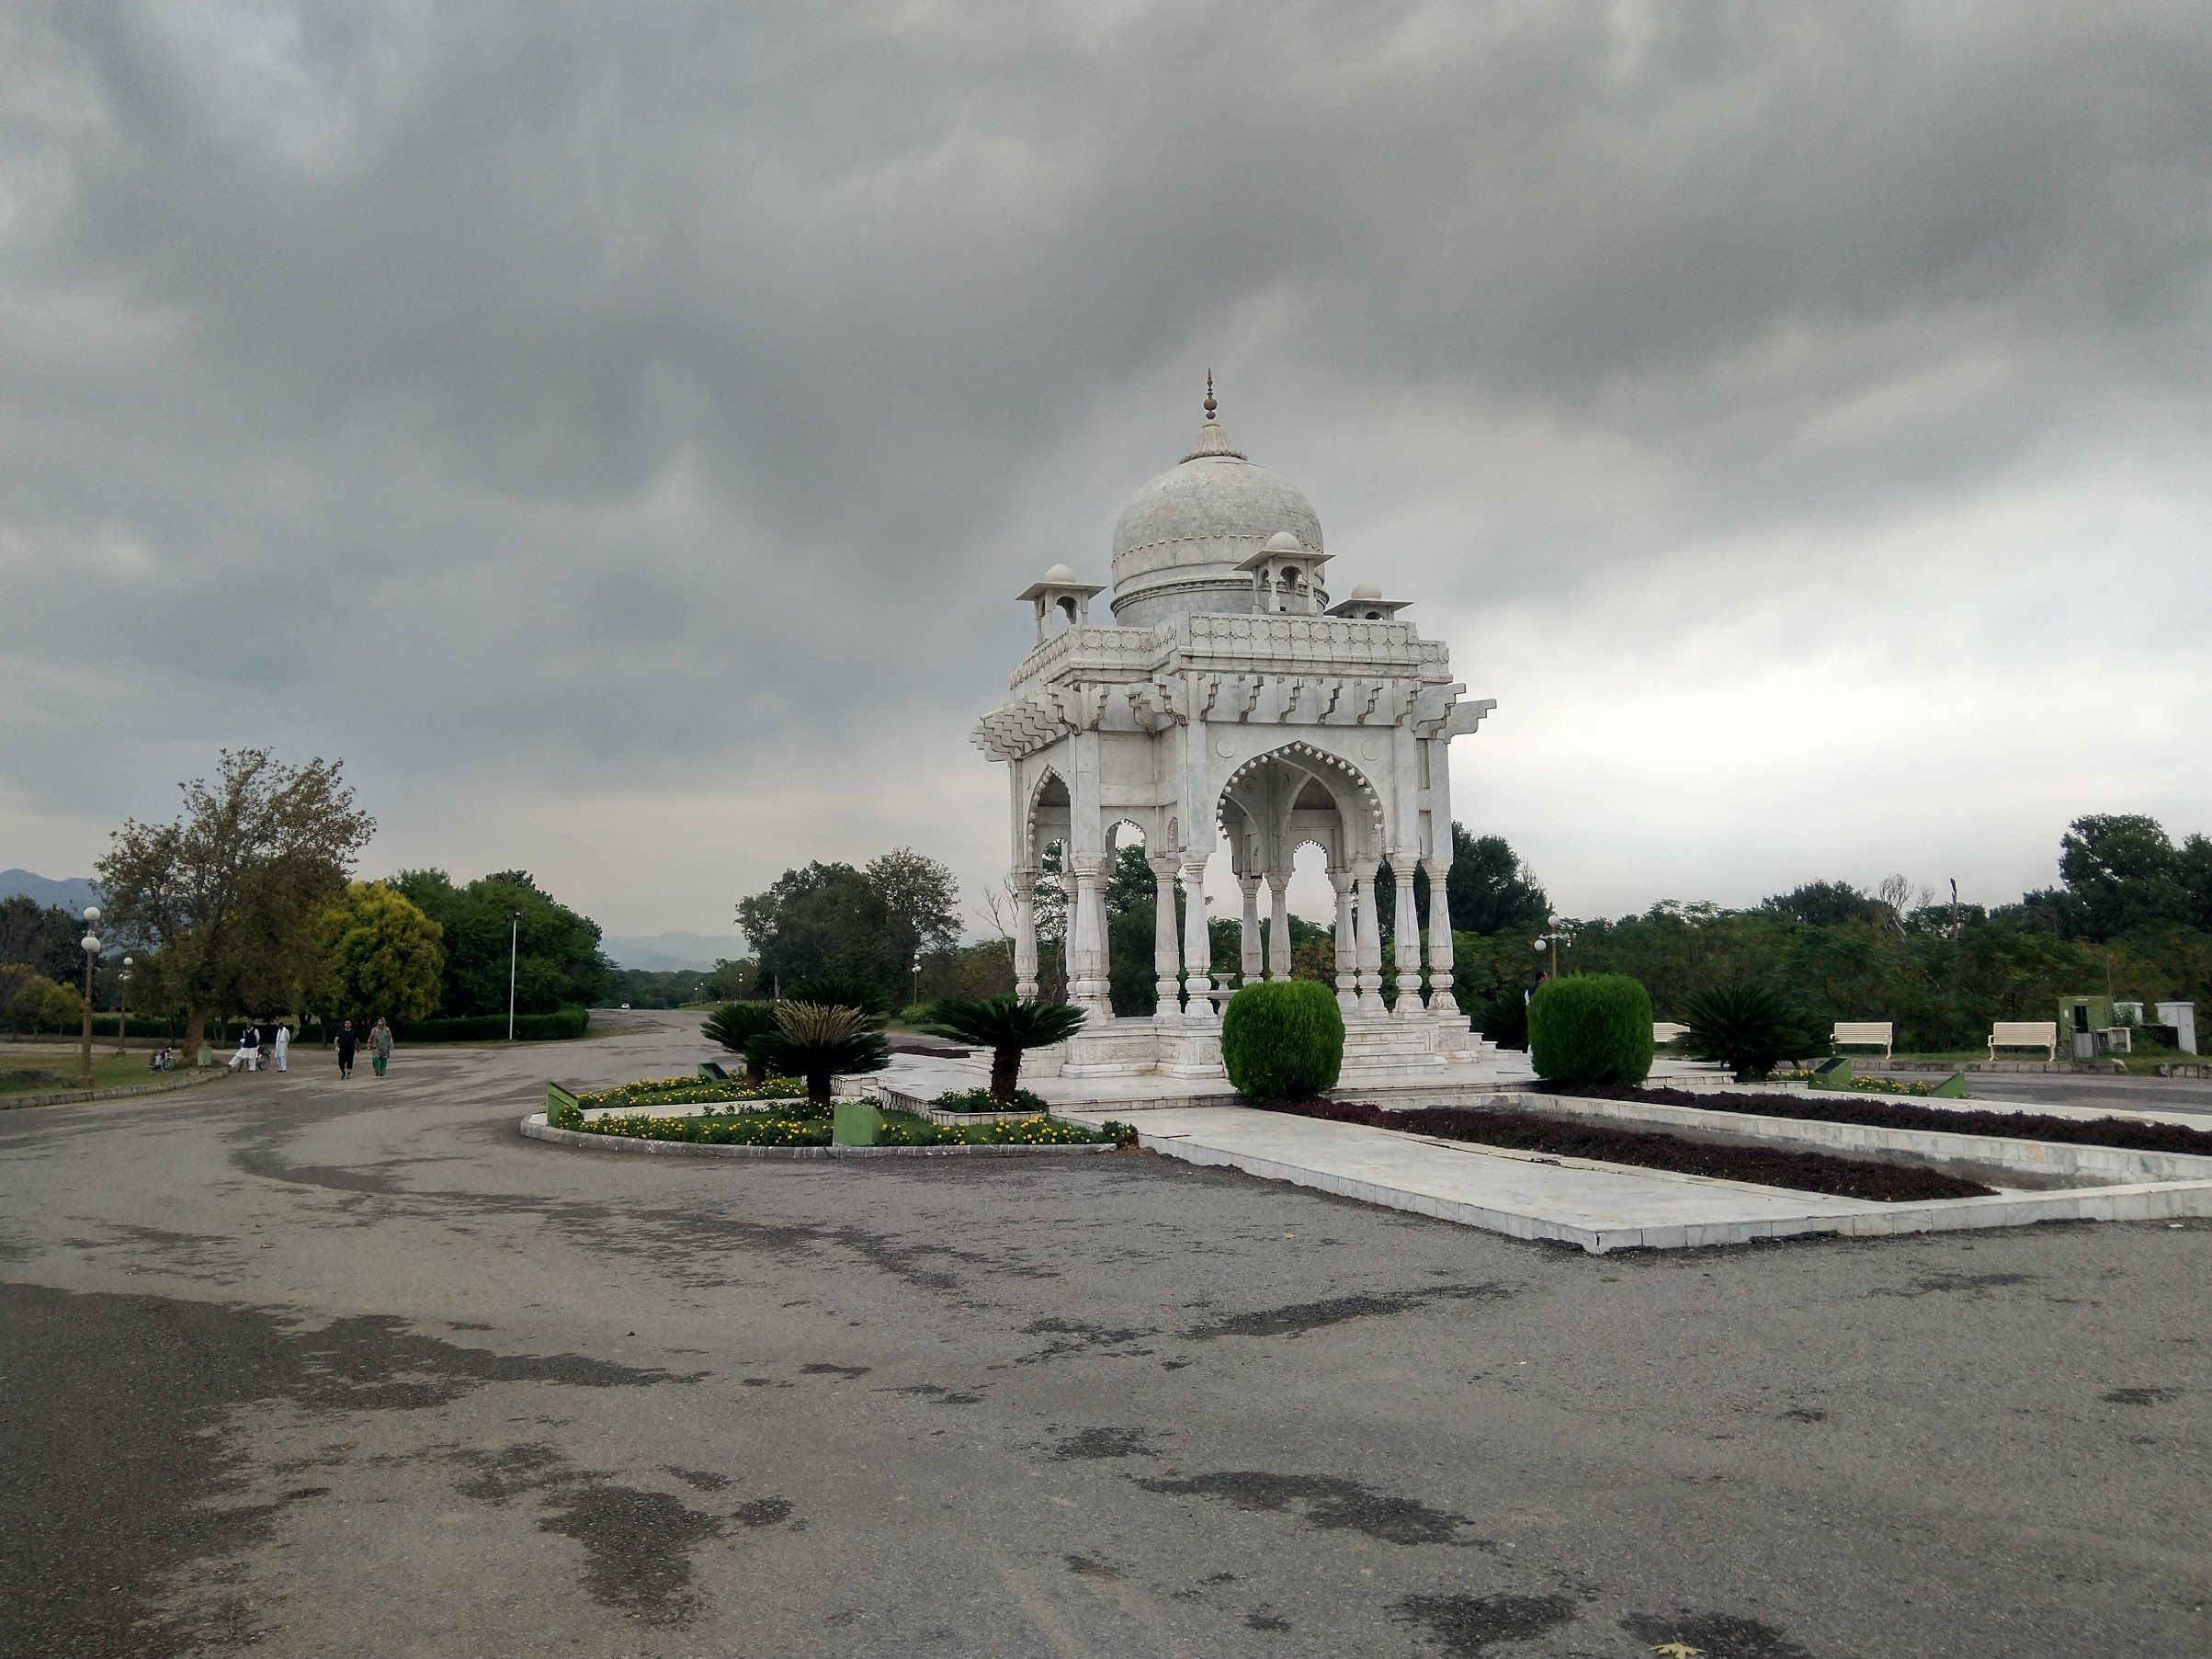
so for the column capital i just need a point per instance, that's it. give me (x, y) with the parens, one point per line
(1249, 883)
(1088, 868)
(1362, 870)
(1278, 881)
(1438, 868)
(1341, 880)
(1162, 865)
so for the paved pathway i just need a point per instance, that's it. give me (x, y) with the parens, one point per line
(297, 1368)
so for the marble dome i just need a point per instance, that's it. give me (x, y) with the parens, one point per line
(1189, 528)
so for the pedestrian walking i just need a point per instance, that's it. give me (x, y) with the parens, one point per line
(379, 1046)
(345, 1048)
(284, 1047)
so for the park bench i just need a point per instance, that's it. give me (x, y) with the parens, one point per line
(2024, 1034)
(1861, 1034)
(1664, 1031)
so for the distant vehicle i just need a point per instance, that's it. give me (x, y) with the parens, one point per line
(626, 1004)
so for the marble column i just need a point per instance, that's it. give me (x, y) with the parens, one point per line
(1024, 933)
(1440, 1000)
(1165, 961)
(1278, 925)
(1405, 979)
(1249, 961)
(1347, 943)
(1087, 953)
(1197, 951)
(1368, 926)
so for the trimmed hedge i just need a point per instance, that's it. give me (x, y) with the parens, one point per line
(1283, 1039)
(490, 1028)
(1591, 1027)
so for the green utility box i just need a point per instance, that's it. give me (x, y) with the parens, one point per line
(1834, 1074)
(855, 1123)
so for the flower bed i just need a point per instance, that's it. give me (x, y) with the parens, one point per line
(776, 1122)
(1648, 1149)
(2130, 1134)
(694, 1091)
(1861, 1086)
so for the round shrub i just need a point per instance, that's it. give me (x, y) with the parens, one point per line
(1283, 1040)
(1591, 1027)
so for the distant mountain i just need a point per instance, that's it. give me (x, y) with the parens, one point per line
(72, 894)
(664, 952)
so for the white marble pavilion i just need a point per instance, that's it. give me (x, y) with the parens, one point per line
(1229, 708)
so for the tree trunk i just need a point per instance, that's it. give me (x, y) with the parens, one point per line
(755, 1073)
(1005, 1072)
(818, 1087)
(195, 1031)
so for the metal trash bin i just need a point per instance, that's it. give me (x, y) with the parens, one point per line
(2085, 1045)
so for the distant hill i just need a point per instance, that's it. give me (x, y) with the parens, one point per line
(73, 893)
(664, 952)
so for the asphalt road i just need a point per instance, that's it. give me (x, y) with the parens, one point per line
(294, 1367)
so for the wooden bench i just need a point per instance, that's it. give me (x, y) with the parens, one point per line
(1665, 1031)
(1863, 1034)
(2025, 1034)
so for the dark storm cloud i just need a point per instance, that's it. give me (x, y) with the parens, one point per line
(637, 397)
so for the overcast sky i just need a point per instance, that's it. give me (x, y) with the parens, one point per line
(619, 432)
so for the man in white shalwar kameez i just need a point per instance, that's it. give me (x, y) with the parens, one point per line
(284, 1046)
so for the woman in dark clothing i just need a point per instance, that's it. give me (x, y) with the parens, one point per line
(346, 1049)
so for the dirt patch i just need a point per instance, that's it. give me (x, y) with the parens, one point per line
(2141, 1396)
(1297, 1318)
(699, 1480)
(1260, 1618)
(2130, 1133)
(1086, 1566)
(1077, 1336)
(1944, 1282)
(96, 1529)
(822, 1368)
(637, 1547)
(1652, 1149)
(1327, 1503)
(1465, 1626)
(1718, 1635)
(762, 1512)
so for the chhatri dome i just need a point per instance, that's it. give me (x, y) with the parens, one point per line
(1230, 718)
(1180, 542)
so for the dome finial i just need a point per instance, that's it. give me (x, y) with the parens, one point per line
(1210, 404)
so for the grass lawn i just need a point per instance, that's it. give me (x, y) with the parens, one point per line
(46, 1069)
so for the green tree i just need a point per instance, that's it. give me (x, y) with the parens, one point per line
(42, 936)
(2124, 873)
(1824, 903)
(557, 961)
(1490, 890)
(229, 892)
(23, 992)
(921, 899)
(382, 957)
(62, 1009)
(869, 923)
(820, 1044)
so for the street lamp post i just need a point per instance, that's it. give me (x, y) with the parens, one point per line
(917, 996)
(1549, 941)
(91, 942)
(122, 1004)
(514, 941)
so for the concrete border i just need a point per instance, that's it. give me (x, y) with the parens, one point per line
(535, 1128)
(2044, 1160)
(132, 1091)
(2138, 1202)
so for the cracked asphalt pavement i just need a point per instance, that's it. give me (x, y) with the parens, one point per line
(295, 1367)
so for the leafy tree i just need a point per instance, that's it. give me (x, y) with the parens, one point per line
(1008, 1027)
(2195, 870)
(229, 893)
(2124, 872)
(866, 923)
(1824, 903)
(735, 1024)
(1490, 890)
(382, 957)
(23, 993)
(42, 936)
(732, 980)
(62, 1009)
(557, 962)
(983, 969)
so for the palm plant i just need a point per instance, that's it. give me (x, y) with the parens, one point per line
(818, 1043)
(1747, 1027)
(1006, 1026)
(735, 1025)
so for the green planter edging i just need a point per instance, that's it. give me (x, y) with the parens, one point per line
(535, 1128)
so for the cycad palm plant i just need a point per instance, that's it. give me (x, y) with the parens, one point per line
(1006, 1026)
(818, 1043)
(1747, 1027)
(735, 1025)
